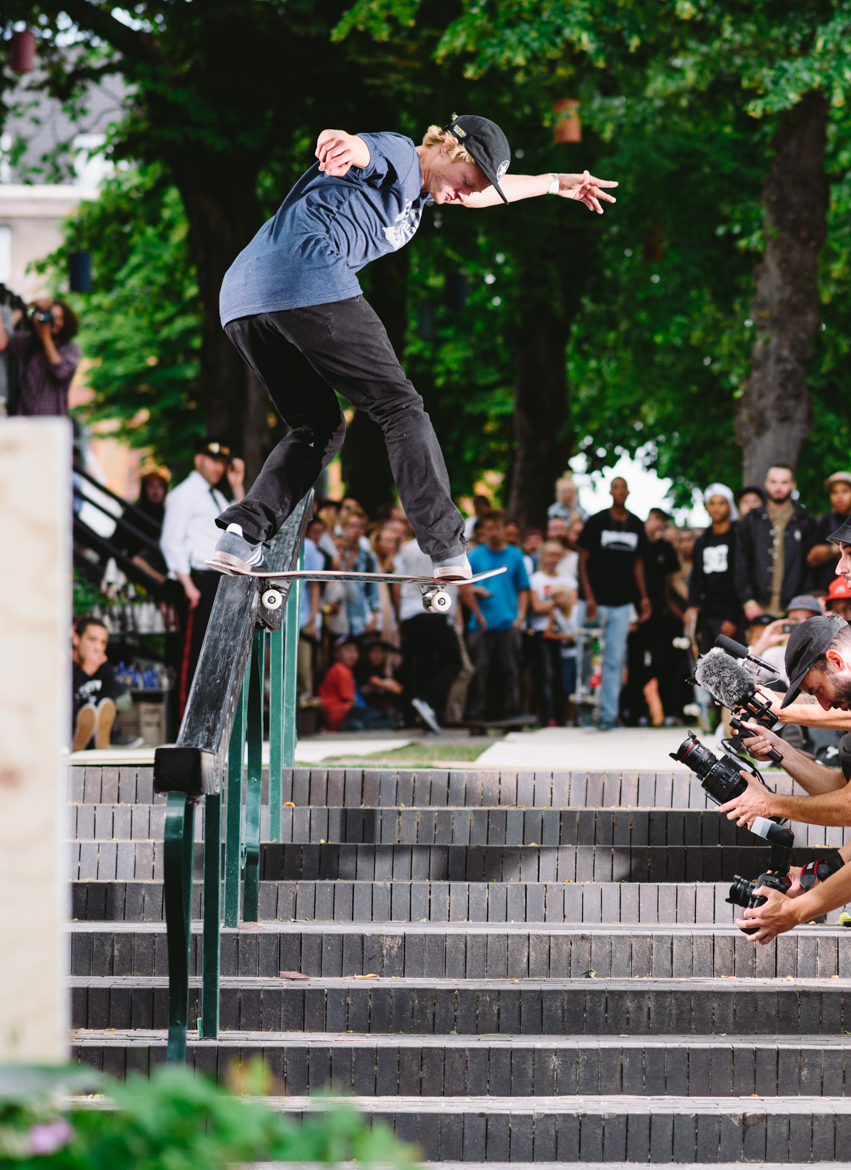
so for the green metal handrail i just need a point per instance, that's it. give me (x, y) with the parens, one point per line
(224, 722)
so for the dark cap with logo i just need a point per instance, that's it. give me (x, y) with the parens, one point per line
(215, 447)
(487, 144)
(807, 644)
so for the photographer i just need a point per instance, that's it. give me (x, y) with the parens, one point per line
(818, 662)
(47, 358)
(782, 912)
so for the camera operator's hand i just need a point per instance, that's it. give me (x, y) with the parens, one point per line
(761, 741)
(779, 914)
(754, 802)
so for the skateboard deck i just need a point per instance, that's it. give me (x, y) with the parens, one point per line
(341, 575)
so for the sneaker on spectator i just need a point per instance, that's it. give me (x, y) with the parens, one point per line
(427, 714)
(86, 722)
(106, 718)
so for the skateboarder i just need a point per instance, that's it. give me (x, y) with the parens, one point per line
(295, 287)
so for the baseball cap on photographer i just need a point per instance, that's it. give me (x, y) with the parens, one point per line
(842, 535)
(807, 643)
(487, 144)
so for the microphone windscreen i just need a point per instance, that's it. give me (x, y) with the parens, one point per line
(736, 649)
(725, 680)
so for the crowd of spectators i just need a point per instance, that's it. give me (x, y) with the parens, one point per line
(370, 657)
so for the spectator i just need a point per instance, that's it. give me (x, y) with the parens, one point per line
(542, 602)
(713, 604)
(559, 529)
(512, 533)
(772, 639)
(328, 512)
(822, 556)
(533, 538)
(385, 545)
(772, 546)
(481, 505)
(189, 539)
(562, 630)
(649, 645)
(675, 691)
(47, 358)
(96, 693)
(748, 498)
(376, 679)
(498, 616)
(839, 598)
(151, 502)
(12, 309)
(362, 601)
(343, 709)
(567, 499)
(611, 574)
(311, 595)
(431, 657)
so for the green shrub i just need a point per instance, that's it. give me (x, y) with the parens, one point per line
(176, 1120)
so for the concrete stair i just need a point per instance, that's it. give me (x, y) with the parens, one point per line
(535, 968)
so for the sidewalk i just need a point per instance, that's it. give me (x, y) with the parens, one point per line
(633, 749)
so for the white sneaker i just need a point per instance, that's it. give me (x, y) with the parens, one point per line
(452, 572)
(426, 713)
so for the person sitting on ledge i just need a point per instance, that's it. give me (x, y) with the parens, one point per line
(97, 694)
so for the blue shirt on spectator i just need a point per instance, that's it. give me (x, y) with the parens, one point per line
(500, 610)
(328, 228)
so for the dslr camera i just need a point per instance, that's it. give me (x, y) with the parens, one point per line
(43, 316)
(721, 780)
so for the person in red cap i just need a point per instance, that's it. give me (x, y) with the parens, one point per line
(838, 598)
(292, 306)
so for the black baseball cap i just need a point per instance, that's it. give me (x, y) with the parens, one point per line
(807, 644)
(843, 534)
(218, 448)
(487, 144)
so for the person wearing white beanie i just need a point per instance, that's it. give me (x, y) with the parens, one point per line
(714, 606)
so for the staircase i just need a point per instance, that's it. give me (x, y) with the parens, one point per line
(506, 967)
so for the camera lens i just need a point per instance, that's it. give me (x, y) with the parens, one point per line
(741, 892)
(692, 752)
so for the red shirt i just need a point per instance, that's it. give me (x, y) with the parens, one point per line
(337, 693)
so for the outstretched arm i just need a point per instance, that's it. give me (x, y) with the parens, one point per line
(584, 188)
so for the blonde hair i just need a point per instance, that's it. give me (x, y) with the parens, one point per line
(561, 596)
(455, 152)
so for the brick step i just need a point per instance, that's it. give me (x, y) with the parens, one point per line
(431, 787)
(423, 901)
(143, 861)
(476, 1007)
(512, 1066)
(629, 828)
(558, 1165)
(794, 1130)
(476, 951)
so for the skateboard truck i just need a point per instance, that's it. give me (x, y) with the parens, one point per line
(435, 599)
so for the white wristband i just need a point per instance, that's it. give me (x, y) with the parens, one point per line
(554, 184)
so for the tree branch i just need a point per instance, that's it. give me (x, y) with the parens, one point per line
(131, 43)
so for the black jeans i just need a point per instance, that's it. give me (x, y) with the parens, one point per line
(548, 670)
(432, 659)
(302, 356)
(485, 646)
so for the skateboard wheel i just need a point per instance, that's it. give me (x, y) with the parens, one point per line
(440, 602)
(272, 599)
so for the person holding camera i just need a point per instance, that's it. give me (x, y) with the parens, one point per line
(47, 358)
(818, 662)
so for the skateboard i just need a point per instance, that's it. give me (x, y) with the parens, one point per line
(435, 597)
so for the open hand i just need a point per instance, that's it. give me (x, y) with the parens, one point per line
(236, 473)
(586, 189)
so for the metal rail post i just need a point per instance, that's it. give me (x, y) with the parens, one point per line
(254, 779)
(208, 1024)
(289, 731)
(177, 866)
(233, 806)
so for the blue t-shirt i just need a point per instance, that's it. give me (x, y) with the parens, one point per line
(326, 230)
(500, 610)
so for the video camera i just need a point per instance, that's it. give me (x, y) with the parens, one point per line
(721, 780)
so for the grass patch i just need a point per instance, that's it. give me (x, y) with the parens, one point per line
(428, 753)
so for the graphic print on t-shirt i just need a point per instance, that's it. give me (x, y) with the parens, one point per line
(627, 541)
(404, 226)
(715, 558)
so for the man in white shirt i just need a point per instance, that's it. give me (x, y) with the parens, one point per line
(189, 539)
(430, 652)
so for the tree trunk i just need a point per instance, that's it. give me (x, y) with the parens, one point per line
(223, 217)
(541, 414)
(365, 465)
(774, 414)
